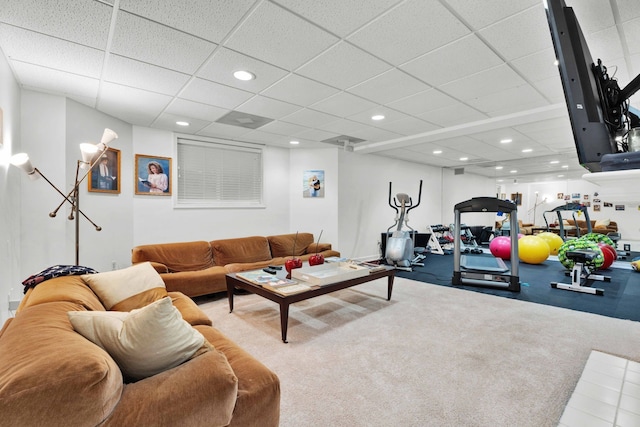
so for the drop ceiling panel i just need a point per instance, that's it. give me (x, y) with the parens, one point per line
(341, 126)
(596, 17)
(483, 83)
(142, 107)
(343, 66)
(225, 62)
(225, 131)
(193, 17)
(316, 135)
(458, 59)
(151, 42)
(283, 128)
(632, 35)
(186, 109)
(338, 16)
(528, 32)
(407, 126)
(508, 101)
(310, 118)
(79, 21)
(487, 12)
(537, 66)
(606, 45)
(425, 24)
(168, 121)
(628, 9)
(389, 86)
(54, 81)
(423, 102)
(138, 74)
(453, 115)
(370, 133)
(299, 90)
(267, 107)
(364, 117)
(343, 104)
(215, 94)
(35, 48)
(277, 36)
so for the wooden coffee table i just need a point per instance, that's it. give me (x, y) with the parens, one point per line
(235, 282)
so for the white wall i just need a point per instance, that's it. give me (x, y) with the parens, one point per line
(9, 192)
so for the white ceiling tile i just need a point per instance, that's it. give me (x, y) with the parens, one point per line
(389, 86)
(267, 107)
(407, 126)
(632, 35)
(80, 21)
(299, 90)
(425, 25)
(509, 101)
(135, 106)
(215, 94)
(593, 15)
(266, 138)
(341, 126)
(343, 66)
(551, 89)
(452, 115)
(156, 44)
(423, 102)
(537, 66)
(277, 36)
(628, 9)
(343, 104)
(221, 130)
(282, 128)
(34, 48)
(460, 58)
(316, 135)
(480, 14)
(483, 83)
(528, 32)
(138, 74)
(194, 16)
(365, 116)
(168, 121)
(307, 117)
(370, 133)
(606, 45)
(341, 17)
(54, 81)
(197, 110)
(225, 62)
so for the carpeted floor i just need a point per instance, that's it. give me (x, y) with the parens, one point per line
(432, 356)
(621, 297)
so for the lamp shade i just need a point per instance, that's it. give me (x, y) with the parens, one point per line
(22, 161)
(108, 136)
(89, 152)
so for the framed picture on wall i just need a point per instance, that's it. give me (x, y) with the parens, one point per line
(104, 177)
(153, 175)
(516, 198)
(313, 183)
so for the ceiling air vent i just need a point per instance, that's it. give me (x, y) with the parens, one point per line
(345, 141)
(458, 171)
(243, 120)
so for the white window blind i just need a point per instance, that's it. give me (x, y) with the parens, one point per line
(218, 175)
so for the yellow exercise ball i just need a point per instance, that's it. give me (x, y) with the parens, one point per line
(533, 250)
(553, 240)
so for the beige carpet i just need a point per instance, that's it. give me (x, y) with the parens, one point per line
(432, 356)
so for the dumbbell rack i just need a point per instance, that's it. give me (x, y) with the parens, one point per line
(440, 245)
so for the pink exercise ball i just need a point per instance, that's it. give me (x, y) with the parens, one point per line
(500, 247)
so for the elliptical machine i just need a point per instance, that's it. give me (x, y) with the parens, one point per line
(400, 250)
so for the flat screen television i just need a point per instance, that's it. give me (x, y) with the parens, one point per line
(598, 108)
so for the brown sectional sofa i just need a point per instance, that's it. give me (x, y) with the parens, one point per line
(596, 226)
(51, 375)
(199, 268)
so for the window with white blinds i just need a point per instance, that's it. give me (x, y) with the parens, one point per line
(212, 174)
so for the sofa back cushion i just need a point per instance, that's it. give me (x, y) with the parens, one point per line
(282, 245)
(242, 249)
(50, 375)
(67, 288)
(181, 256)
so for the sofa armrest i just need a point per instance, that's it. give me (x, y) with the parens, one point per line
(317, 247)
(200, 392)
(158, 266)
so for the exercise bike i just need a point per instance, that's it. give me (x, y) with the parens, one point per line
(400, 249)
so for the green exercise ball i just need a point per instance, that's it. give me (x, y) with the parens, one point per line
(577, 244)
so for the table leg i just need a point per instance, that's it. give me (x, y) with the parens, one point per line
(390, 287)
(284, 320)
(230, 296)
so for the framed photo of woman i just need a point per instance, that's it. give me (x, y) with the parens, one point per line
(153, 175)
(104, 177)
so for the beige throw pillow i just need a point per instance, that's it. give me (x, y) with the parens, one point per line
(602, 223)
(129, 288)
(143, 342)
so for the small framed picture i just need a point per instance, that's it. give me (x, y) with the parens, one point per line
(104, 176)
(153, 175)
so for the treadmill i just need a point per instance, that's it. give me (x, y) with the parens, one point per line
(483, 270)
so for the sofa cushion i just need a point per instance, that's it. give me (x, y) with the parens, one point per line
(283, 245)
(67, 288)
(181, 256)
(143, 342)
(189, 309)
(242, 249)
(601, 223)
(129, 288)
(52, 376)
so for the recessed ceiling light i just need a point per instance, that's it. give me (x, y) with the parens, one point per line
(244, 75)
(513, 171)
(554, 162)
(437, 151)
(377, 117)
(565, 166)
(294, 142)
(182, 123)
(560, 176)
(464, 159)
(499, 167)
(527, 150)
(556, 62)
(506, 141)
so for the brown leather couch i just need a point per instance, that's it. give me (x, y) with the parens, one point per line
(199, 268)
(597, 226)
(51, 375)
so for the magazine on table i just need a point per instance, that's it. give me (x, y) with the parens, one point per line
(263, 279)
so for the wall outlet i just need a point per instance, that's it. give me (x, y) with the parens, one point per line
(114, 265)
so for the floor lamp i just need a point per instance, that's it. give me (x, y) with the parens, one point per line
(91, 154)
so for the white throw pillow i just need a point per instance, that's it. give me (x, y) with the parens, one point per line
(127, 289)
(143, 342)
(602, 223)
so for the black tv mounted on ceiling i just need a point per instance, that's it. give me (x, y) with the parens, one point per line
(598, 108)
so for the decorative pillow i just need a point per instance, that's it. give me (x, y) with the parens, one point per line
(143, 342)
(129, 288)
(602, 223)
